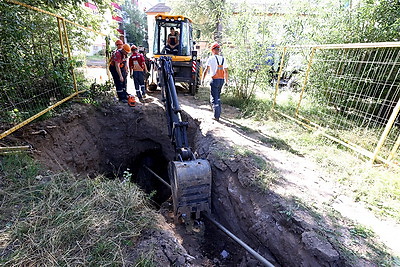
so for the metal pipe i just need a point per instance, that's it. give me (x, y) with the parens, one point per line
(393, 151)
(351, 45)
(69, 53)
(220, 226)
(60, 35)
(158, 177)
(240, 242)
(54, 15)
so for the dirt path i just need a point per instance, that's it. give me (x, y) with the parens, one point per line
(301, 179)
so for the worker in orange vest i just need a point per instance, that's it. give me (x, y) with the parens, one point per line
(218, 68)
(118, 69)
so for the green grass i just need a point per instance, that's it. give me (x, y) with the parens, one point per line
(264, 173)
(377, 187)
(58, 219)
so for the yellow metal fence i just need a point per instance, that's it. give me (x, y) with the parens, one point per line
(39, 65)
(351, 92)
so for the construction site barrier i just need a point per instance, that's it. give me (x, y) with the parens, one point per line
(349, 92)
(44, 69)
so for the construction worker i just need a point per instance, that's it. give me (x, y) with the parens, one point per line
(138, 69)
(172, 42)
(218, 68)
(118, 44)
(118, 68)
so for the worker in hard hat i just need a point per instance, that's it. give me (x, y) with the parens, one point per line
(119, 44)
(218, 68)
(118, 69)
(138, 69)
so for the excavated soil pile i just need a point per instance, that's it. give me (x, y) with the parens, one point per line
(108, 140)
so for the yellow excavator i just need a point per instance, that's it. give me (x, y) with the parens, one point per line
(185, 63)
(190, 177)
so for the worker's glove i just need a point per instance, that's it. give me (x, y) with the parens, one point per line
(202, 83)
(131, 76)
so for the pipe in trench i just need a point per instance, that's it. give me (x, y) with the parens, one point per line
(222, 228)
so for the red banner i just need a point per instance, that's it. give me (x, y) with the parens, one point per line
(117, 18)
(90, 5)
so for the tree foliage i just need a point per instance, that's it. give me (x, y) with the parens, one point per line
(207, 15)
(246, 49)
(136, 24)
(248, 30)
(30, 53)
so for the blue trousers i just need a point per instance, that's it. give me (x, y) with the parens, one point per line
(138, 78)
(216, 87)
(119, 86)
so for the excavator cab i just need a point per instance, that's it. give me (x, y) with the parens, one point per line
(182, 27)
(185, 63)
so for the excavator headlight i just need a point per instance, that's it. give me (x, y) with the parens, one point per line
(172, 19)
(167, 19)
(159, 17)
(179, 19)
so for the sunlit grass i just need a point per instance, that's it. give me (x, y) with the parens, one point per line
(60, 220)
(377, 187)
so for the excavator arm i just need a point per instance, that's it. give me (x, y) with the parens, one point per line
(177, 129)
(190, 178)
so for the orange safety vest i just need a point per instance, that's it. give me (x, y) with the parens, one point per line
(220, 70)
(114, 57)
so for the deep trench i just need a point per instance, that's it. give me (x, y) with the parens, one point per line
(118, 140)
(115, 138)
(154, 160)
(212, 242)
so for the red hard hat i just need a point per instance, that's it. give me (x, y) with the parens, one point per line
(119, 42)
(133, 47)
(131, 101)
(215, 45)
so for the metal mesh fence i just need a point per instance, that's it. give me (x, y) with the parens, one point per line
(350, 91)
(40, 67)
(34, 72)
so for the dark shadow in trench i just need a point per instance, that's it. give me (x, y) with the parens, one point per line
(154, 160)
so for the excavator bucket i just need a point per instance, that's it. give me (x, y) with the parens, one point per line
(191, 187)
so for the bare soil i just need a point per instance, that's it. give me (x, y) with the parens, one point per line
(287, 223)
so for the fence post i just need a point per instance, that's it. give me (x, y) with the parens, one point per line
(385, 133)
(394, 149)
(279, 76)
(60, 35)
(305, 79)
